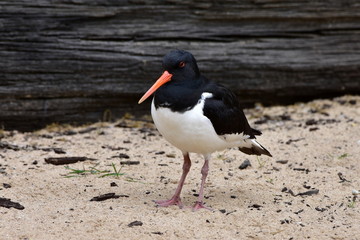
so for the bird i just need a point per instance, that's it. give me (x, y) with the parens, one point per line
(197, 115)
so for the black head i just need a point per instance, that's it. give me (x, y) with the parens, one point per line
(180, 69)
(181, 64)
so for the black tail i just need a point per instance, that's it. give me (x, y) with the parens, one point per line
(256, 132)
(252, 147)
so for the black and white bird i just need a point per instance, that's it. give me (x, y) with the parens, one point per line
(197, 115)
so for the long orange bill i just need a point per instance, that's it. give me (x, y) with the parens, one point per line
(165, 77)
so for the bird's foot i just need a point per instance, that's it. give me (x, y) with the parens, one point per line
(198, 205)
(172, 201)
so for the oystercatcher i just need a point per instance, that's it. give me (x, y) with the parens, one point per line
(197, 115)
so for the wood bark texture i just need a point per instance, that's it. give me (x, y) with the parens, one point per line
(73, 60)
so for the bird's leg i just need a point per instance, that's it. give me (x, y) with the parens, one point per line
(175, 200)
(204, 172)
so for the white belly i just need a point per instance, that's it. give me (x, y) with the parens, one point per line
(190, 131)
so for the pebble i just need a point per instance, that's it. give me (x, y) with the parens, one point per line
(245, 164)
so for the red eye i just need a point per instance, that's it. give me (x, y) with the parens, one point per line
(182, 64)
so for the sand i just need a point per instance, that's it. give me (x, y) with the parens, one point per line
(304, 192)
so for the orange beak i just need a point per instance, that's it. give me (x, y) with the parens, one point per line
(165, 77)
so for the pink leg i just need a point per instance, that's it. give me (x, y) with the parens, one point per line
(204, 171)
(175, 200)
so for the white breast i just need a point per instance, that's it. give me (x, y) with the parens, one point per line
(191, 131)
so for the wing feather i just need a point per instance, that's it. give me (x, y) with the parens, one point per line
(224, 111)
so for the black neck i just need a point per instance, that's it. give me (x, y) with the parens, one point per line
(179, 95)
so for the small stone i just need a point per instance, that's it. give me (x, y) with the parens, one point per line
(245, 164)
(311, 122)
(124, 155)
(135, 223)
(320, 209)
(282, 161)
(256, 206)
(59, 151)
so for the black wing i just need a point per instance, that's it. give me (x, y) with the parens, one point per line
(225, 113)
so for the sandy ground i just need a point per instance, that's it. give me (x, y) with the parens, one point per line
(297, 194)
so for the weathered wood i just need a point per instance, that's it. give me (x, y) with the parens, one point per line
(66, 160)
(7, 203)
(72, 60)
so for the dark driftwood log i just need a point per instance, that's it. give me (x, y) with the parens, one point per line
(71, 60)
